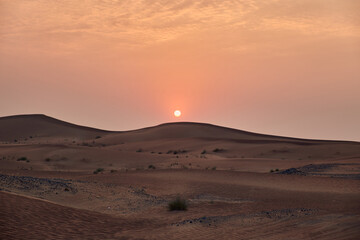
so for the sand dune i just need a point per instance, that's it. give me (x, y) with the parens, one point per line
(30, 126)
(23, 127)
(63, 181)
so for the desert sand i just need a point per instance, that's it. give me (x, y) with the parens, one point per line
(63, 181)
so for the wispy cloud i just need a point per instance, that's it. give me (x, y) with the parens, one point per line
(139, 23)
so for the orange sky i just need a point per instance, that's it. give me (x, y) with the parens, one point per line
(284, 67)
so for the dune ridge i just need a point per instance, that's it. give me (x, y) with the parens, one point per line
(40, 125)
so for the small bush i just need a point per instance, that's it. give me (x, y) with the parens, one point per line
(214, 168)
(22, 159)
(139, 150)
(271, 170)
(218, 150)
(276, 170)
(97, 137)
(47, 159)
(178, 204)
(98, 170)
(151, 166)
(203, 152)
(113, 171)
(176, 151)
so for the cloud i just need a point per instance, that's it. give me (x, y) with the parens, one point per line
(143, 23)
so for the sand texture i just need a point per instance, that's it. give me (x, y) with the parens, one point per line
(63, 181)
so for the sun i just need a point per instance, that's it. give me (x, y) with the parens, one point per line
(177, 113)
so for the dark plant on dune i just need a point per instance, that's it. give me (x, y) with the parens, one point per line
(98, 170)
(151, 166)
(176, 151)
(216, 150)
(178, 204)
(22, 159)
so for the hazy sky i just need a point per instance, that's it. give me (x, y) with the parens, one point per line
(284, 67)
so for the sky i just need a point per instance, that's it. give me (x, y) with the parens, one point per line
(281, 67)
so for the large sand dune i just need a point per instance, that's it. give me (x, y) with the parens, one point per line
(63, 181)
(23, 127)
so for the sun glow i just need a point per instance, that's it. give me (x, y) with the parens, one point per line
(177, 113)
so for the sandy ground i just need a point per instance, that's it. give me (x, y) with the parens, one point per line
(238, 185)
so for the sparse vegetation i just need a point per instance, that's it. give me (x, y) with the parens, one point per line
(216, 150)
(47, 159)
(113, 170)
(176, 151)
(178, 204)
(213, 168)
(22, 159)
(97, 137)
(98, 170)
(203, 152)
(139, 150)
(151, 166)
(276, 170)
(271, 170)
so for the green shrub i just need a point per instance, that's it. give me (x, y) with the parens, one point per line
(98, 170)
(218, 150)
(178, 204)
